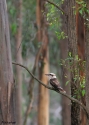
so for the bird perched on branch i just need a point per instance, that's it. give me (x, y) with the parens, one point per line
(54, 82)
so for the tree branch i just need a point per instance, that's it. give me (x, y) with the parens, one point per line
(34, 68)
(56, 6)
(51, 88)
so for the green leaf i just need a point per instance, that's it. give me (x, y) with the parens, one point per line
(69, 58)
(88, 11)
(80, 2)
(67, 82)
(12, 10)
(76, 57)
(14, 28)
(70, 54)
(81, 12)
(83, 92)
(75, 79)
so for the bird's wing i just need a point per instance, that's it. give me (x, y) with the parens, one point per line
(56, 84)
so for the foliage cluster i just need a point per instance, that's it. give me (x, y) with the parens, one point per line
(77, 71)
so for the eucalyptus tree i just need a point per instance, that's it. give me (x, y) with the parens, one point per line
(7, 85)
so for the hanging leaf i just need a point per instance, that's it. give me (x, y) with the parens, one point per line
(67, 82)
(83, 92)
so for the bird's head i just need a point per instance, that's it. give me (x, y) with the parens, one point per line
(51, 76)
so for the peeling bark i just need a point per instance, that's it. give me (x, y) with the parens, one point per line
(72, 37)
(7, 87)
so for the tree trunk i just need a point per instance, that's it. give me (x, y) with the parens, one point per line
(19, 60)
(81, 53)
(87, 60)
(7, 87)
(66, 114)
(43, 105)
(75, 108)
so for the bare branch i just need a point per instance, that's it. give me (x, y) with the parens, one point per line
(34, 67)
(56, 6)
(32, 75)
(51, 88)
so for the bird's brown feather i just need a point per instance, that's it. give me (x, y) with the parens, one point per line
(54, 82)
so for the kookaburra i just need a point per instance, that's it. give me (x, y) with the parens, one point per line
(54, 82)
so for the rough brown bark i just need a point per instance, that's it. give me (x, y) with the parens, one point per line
(18, 38)
(66, 114)
(43, 104)
(87, 60)
(7, 87)
(75, 109)
(80, 34)
(81, 53)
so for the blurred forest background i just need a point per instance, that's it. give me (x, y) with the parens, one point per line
(49, 36)
(30, 28)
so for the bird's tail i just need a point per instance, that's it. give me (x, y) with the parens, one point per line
(61, 89)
